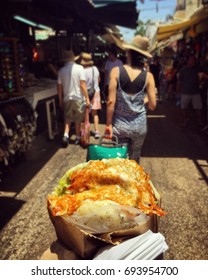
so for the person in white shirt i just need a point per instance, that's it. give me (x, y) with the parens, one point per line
(72, 94)
(111, 62)
(92, 76)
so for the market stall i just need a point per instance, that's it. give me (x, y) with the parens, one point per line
(17, 117)
(29, 65)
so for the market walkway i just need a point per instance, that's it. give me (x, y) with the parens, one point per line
(176, 160)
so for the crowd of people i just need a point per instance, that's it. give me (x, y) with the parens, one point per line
(129, 88)
(185, 82)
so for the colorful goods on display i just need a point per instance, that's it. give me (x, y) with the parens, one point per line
(11, 68)
(17, 129)
(17, 117)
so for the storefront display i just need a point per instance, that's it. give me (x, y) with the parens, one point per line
(11, 68)
(17, 116)
(17, 128)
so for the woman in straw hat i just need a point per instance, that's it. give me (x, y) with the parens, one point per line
(92, 76)
(131, 91)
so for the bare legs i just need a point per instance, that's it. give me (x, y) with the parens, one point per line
(95, 120)
(67, 128)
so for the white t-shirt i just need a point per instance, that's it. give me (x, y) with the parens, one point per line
(109, 65)
(91, 72)
(69, 77)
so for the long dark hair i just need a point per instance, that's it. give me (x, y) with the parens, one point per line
(137, 59)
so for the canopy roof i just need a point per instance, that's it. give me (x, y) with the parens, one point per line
(123, 12)
(76, 15)
(165, 31)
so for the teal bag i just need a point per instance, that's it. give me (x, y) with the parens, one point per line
(102, 150)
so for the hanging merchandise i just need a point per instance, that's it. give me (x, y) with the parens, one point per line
(17, 129)
(17, 117)
(11, 68)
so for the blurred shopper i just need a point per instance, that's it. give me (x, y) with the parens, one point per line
(205, 128)
(100, 65)
(171, 77)
(92, 76)
(204, 91)
(111, 62)
(204, 78)
(163, 84)
(130, 87)
(188, 88)
(72, 94)
(155, 69)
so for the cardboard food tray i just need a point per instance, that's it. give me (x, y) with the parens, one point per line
(85, 244)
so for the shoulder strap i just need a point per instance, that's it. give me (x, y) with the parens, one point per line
(145, 78)
(93, 76)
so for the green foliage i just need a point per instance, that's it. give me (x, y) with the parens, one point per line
(140, 31)
(141, 28)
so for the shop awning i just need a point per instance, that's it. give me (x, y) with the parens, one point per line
(123, 13)
(166, 42)
(165, 31)
(76, 16)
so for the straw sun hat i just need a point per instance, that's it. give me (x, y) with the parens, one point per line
(139, 44)
(86, 59)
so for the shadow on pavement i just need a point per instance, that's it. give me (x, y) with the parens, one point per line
(167, 138)
(10, 206)
(201, 168)
(21, 172)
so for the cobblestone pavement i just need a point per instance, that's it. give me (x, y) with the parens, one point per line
(176, 160)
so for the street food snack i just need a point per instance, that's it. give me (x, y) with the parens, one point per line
(108, 194)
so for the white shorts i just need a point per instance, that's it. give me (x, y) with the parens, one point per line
(195, 100)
